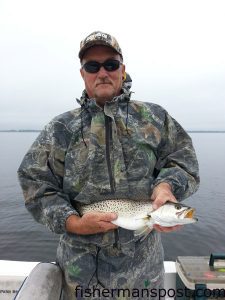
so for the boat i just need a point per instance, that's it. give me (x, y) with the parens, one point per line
(190, 277)
(22, 280)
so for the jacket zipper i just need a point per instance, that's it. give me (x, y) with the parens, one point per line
(108, 143)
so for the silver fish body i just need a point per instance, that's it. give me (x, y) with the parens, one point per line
(140, 215)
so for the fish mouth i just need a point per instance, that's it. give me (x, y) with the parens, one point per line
(189, 214)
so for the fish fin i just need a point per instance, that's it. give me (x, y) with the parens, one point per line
(145, 218)
(143, 231)
(146, 234)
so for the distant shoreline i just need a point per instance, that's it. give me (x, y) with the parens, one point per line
(191, 131)
(206, 131)
(21, 130)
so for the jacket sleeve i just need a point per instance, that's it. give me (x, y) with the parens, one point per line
(41, 178)
(177, 162)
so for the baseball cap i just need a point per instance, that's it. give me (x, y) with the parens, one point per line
(99, 38)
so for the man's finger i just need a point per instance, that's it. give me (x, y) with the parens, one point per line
(108, 217)
(106, 226)
(160, 201)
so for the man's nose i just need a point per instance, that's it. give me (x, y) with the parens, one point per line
(102, 72)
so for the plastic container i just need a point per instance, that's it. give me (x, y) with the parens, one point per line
(200, 277)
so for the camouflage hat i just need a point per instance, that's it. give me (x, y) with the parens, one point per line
(99, 38)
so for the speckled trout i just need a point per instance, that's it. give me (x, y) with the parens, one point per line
(140, 215)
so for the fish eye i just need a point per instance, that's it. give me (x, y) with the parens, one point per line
(178, 206)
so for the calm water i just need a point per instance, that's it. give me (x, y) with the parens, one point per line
(21, 238)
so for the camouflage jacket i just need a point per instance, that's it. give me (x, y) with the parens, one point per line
(91, 154)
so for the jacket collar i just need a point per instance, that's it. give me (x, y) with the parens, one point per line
(91, 105)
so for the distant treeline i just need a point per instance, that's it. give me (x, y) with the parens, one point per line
(207, 131)
(21, 130)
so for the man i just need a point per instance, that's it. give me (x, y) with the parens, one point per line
(110, 148)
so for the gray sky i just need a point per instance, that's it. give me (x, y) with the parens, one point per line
(174, 51)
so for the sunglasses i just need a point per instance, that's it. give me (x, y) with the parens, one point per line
(109, 65)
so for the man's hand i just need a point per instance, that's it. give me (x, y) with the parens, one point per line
(160, 195)
(91, 223)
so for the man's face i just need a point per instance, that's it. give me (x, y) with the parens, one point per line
(103, 85)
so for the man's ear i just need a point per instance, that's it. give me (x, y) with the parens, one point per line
(82, 73)
(124, 72)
